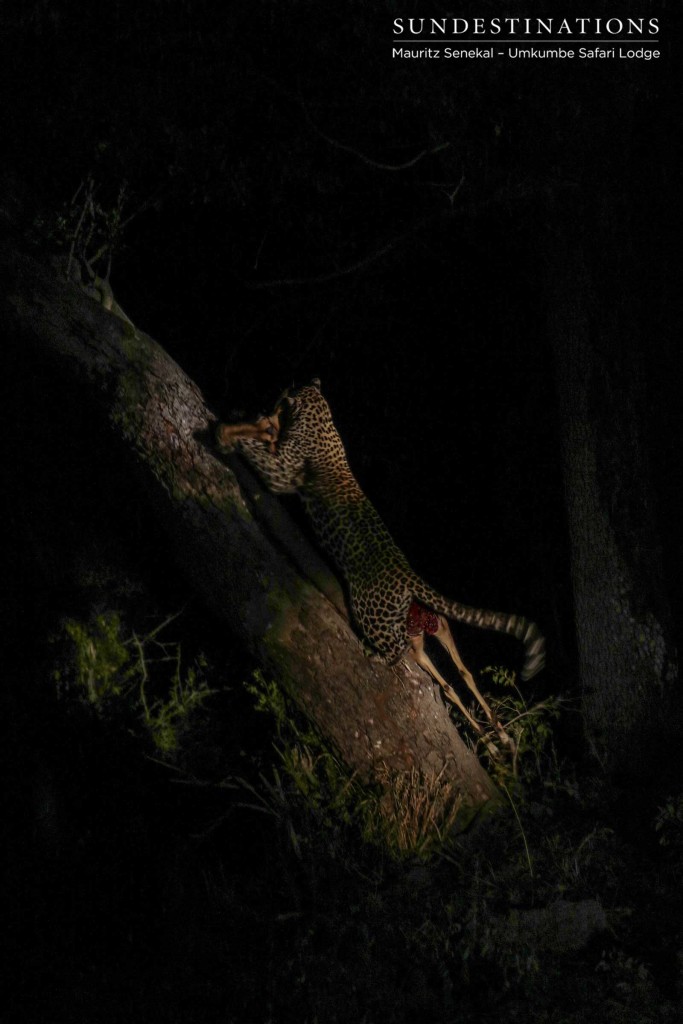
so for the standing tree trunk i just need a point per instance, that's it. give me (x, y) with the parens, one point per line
(248, 563)
(626, 662)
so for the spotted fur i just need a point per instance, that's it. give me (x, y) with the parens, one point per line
(309, 458)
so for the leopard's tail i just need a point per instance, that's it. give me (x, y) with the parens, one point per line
(501, 622)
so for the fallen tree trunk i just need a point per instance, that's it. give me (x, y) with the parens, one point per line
(236, 543)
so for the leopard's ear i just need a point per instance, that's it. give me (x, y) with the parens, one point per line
(315, 382)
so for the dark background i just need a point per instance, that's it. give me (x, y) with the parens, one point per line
(280, 230)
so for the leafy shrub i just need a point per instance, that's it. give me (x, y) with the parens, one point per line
(141, 677)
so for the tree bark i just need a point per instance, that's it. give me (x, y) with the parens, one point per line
(626, 660)
(235, 542)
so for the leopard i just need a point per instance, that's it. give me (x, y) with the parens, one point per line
(298, 450)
